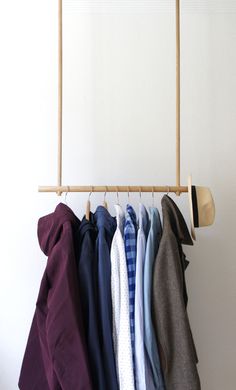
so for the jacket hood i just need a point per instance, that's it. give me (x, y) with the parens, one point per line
(173, 217)
(50, 226)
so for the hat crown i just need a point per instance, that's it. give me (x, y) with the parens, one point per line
(205, 205)
(202, 207)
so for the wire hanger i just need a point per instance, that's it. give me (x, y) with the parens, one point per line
(65, 196)
(128, 194)
(117, 196)
(140, 194)
(152, 197)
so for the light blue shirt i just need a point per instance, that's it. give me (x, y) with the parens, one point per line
(152, 246)
(139, 350)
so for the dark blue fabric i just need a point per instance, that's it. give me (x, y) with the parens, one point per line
(130, 239)
(87, 271)
(106, 225)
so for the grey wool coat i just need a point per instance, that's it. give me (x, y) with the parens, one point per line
(169, 302)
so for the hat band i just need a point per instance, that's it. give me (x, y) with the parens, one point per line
(195, 207)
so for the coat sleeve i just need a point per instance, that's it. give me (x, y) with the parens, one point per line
(64, 328)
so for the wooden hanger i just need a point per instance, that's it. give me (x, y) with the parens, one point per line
(104, 200)
(88, 207)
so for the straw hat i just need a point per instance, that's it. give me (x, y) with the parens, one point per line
(202, 207)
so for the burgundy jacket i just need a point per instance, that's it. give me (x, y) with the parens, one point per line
(55, 356)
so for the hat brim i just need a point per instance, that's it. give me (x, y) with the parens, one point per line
(191, 207)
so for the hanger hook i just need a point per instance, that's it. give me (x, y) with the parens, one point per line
(128, 193)
(168, 190)
(140, 193)
(66, 193)
(90, 193)
(117, 195)
(105, 194)
(152, 197)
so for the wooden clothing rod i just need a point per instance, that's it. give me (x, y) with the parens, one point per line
(61, 189)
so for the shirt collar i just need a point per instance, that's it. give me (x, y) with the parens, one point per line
(120, 217)
(130, 215)
(143, 217)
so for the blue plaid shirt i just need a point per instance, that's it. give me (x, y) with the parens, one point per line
(130, 238)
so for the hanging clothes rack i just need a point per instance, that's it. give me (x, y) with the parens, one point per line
(59, 189)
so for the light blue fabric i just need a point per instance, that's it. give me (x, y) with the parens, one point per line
(152, 246)
(139, 350)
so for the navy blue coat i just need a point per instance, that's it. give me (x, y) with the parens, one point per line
(106, 225)
(87, 272)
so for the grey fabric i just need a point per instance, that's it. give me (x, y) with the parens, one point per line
(170, 318)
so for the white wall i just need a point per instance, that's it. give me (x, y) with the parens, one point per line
(119, 128)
